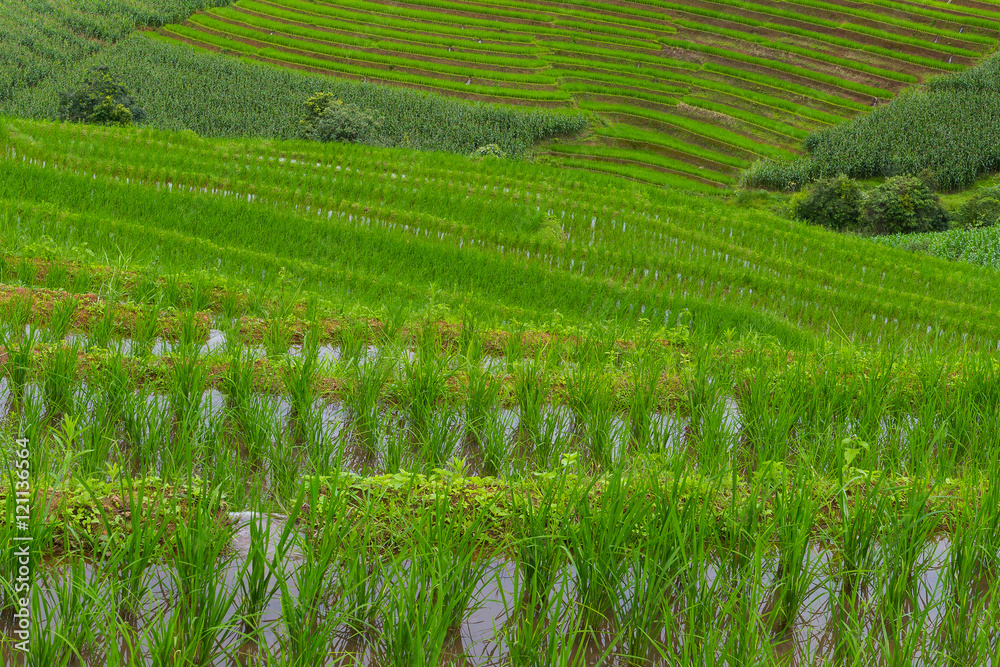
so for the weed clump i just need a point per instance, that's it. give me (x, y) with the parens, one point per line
(489, 150)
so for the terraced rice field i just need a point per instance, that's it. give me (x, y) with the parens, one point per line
(525, 242)
(687, 92)
(282, 403)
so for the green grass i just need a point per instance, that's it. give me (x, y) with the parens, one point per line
(651, 422)
(651, 261)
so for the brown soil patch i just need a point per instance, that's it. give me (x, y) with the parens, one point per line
(624, 98)
(656, 149)
(913, 18)
(650, 50)
(780, 93)
(643, 165)
(857, 54)
(929, 51)
(810, 64)
(776, 114)
(683, 135)
(746, 128)
(665, 22)
(803, 81)
(467, 14)
(627, 67)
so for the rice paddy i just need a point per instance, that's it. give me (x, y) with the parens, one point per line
(272, 402)
(279, 403)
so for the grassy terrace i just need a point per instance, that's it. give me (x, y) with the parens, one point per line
(501, 413)
(541, 240)
(685, 91)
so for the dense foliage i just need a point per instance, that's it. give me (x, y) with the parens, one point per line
(834, 203)
(214, 96)
(980, 210)
(329, 119)
(902, 205)
(39, 38)
(950, 125)
(101, 100)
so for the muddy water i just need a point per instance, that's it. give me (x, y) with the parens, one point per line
(480, 641)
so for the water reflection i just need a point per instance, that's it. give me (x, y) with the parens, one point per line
(727, 607)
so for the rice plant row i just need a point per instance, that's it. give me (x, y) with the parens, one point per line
(660, 564)
(594, 243)
(401, 470)
(847, 56)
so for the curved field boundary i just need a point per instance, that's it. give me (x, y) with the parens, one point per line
(591, 241)
(736, 77)
(312, 64)
(368, 57)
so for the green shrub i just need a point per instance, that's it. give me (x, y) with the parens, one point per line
(489, 150)
(101, 100)
(903, 205)
(329, 119)
(834, 203)
(982, 210)
(929, 179)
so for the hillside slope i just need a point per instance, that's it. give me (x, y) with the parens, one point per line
(685, 91)
(513, 241)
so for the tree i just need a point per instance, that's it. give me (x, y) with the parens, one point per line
(903, 205)
(328, 119)
(834, 203)
(101, 100)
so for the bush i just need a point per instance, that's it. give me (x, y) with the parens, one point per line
(101, 100)
(983, 210)
(903, 205)
(489, 150)
(834, 203)
(328, 119)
